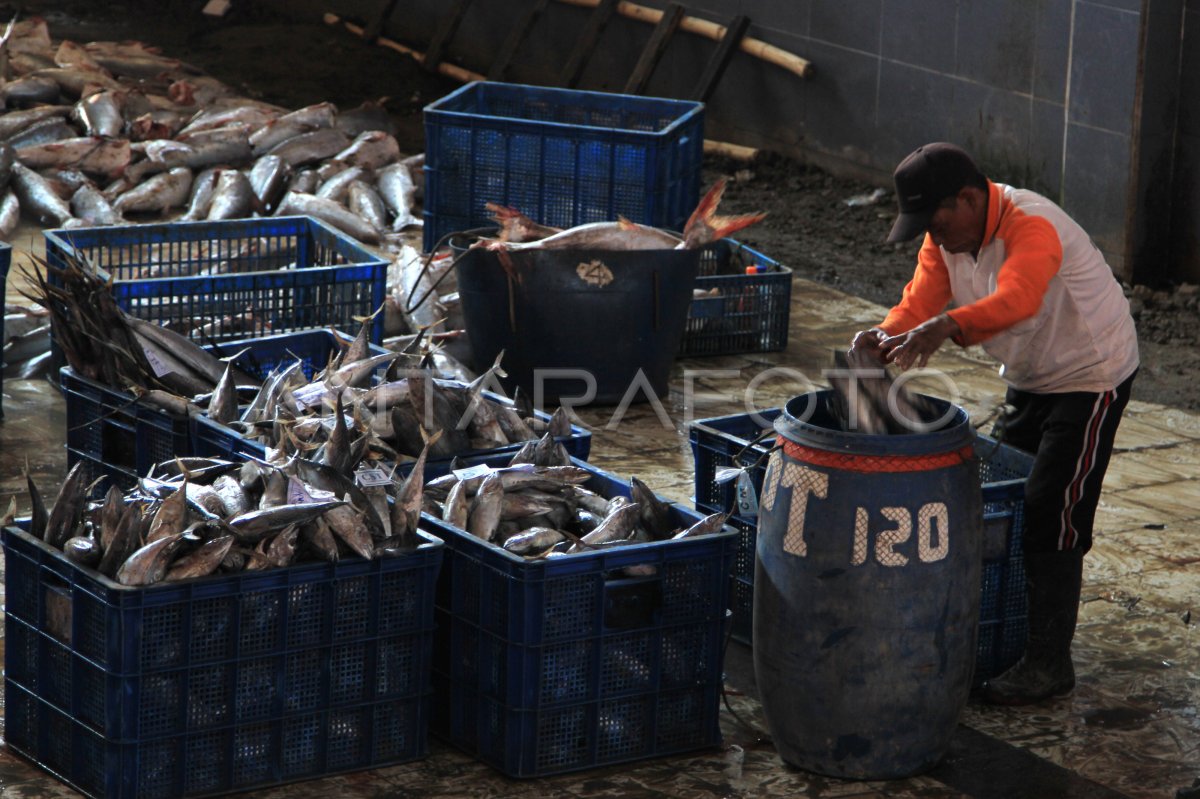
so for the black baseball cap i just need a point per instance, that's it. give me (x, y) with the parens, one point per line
(928, 175)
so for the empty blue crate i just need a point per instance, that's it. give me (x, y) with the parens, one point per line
(568, 663)
(218, 684)
(235, 278)
(726, 441)
(5, 262)
(564, 157)
(743, 303)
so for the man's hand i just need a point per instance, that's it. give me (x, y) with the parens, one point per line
(869, 342)
(914, 347)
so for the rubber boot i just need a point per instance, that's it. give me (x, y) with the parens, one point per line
(1053, 582)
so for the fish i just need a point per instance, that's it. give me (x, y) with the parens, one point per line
(231, 495)
(38, 516)
(406, 509)
(515, 226)
(10, 215)
(655, 515)
(291, 124)
(90, 206)
(457, 506)
(712, 523)
(396, 187)
(486, 509)
(223, 407)
(867, 401)
(254, 525)
(310, 147)
(253, 116)
(336, 452)
(534, 540)
(91, 154)
(617, 526)
(269, 178)
(233, 196)
(30, 90)
(38, 199)
(103, 113)
(171, 516)
(201, 562)
(13, 122)
(68, 507)
(299, 204)
(368, 115)
(126, 539)
(201, 194)
(364, 200)
(82, 550)
(336, 187)
(319, 539)
(157, 194)
(149, 564)
(110, 515)
(702, 228)
(370, 150)
(350, 525)
(45, 131)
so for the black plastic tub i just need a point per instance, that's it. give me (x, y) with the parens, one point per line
(580, 326)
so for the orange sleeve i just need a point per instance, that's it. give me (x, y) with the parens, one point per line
(925, 296)
(1033, 257)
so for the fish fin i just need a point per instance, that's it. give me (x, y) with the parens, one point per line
(496, 370)
(704, 225)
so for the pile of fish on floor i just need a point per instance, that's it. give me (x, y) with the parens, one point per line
(111, 133)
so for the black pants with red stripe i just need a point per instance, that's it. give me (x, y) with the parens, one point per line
(1071, 436)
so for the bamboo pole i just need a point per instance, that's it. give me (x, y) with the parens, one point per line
(739, 152)
(755, 47)
(736, 151)
(447, 69)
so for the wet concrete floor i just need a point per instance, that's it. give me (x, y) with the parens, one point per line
(1129, 729)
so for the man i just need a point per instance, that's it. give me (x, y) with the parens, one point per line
(1026, 282)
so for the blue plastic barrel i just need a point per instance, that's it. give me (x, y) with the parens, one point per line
(866, 590)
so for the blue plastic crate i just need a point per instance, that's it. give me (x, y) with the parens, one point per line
(564, 157)
(119, 438)
(5, 262)
(116, 437)
(561, 664)
(276, 274)
(720, 442)
(219, 684)
(747, 305)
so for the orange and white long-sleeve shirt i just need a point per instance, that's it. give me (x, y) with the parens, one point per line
(1039, 297)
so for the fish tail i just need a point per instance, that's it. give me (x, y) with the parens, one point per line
(707, 207)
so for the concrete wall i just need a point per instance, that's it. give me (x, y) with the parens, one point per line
(1184, 253)
(1048, 94)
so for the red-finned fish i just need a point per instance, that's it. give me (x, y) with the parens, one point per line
(703, 227)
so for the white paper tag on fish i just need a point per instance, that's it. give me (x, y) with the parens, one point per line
(155, 362)
(368, 478)
(310, 395)
(480, 470)
(747, 497)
